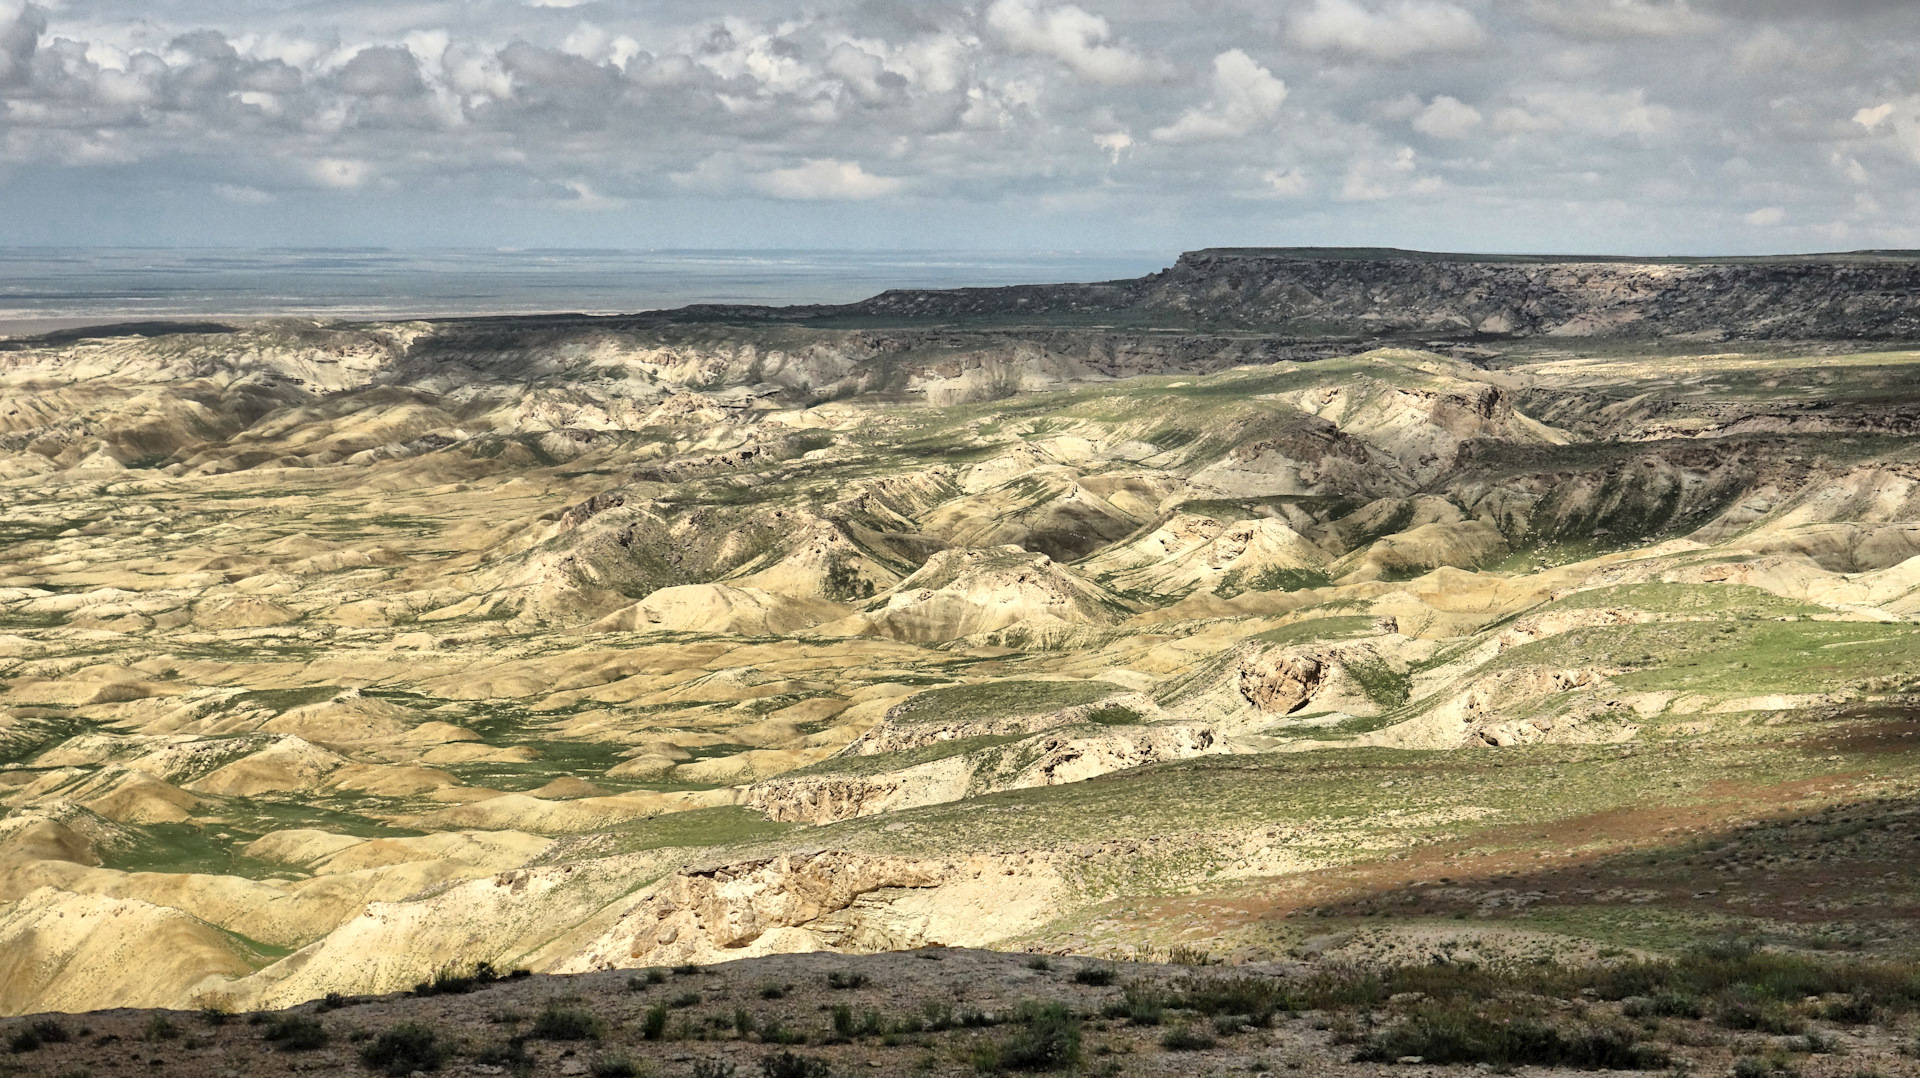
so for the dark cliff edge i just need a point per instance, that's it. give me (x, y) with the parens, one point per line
(1321, 293)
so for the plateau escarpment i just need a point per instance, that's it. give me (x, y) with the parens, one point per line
(336, 653)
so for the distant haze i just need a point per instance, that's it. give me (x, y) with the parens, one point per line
(1610, 126)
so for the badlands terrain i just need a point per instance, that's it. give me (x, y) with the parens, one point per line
(1300, 611)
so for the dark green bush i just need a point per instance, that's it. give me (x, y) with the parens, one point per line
(1097, 976)
(1457, 1034)
(160, 1027)
(841, 978)
(790, 1065)
(566, 1022)
(774, 990)
(1759, 1017)
(455, 980)
(1041, 963)
(1142, 1004)
(405, 1048)
(1255, 997)
(1047, 1038)
(654, 1025)
(1185, 1038)
(30, 1037)
(295, 1033)
(685, 999)
(512, 1055)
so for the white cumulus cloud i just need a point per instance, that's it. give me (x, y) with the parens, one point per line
(1622, 18)
(1394, 32)
(339, 172)
(827, 179)
(1245, 95)
(1076, 38)
(1448, 117)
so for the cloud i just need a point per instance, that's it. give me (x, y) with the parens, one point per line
(1072, 36)
(827, 179)
(1115, 143)
(1617, 114)
(339, 172)
(586, 198)
(1245, 95)
(1449, 118)
(1291, 183)
(20, 30)
(1402, 29)
(1622, 18)
(381, 71)
(1874, 116)
(1766, 217)
(1373, 179)
(246, 196)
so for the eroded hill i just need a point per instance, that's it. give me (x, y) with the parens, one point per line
(335, 654)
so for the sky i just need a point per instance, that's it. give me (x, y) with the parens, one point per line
(1592, 126)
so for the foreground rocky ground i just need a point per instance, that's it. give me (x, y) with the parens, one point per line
(333, 655)
(965, 1012)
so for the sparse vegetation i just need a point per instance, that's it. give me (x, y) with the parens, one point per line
(405, 1048)
(560, 1021)
(295, 1033)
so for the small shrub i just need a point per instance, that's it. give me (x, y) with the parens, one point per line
(215, 1014)
(872, 1024)
(841, 978)
(1457, 1034)
(1860, 1009)
(1817, 1044)
(29, 1038)
(937, 1015)
(615, 1064)
(1662, 1005)
(773, 1032)
(1048, 1038)
(1255, 997)
(1142, 1004)
(774, 990)
(1756, 1017)
(405, 1048)
(1229, 1024)
(687, 969)
(333, 1001)
(1758, 1067)
(160, 1027)
(655, 976)
(511, 1054)
(790, 1065)
(742, 1021)
(712, 1068)
(1185, 1038)
(1184, 954)
(1097, 976)
(1040, 963)
(455, 980)
(295, 1033)
(684, 1000)
(842, 1020)
(566, 1022)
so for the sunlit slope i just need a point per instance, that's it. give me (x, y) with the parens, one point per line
(331, 655)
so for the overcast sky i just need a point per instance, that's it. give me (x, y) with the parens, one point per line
(1543, 125)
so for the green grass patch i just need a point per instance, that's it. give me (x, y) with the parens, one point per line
(1000, 699)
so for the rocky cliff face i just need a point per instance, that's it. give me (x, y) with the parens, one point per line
(1332, 293)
